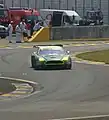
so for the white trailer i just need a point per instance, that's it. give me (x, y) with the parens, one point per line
(60, 17)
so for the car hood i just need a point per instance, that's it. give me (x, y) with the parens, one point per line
(53, 57)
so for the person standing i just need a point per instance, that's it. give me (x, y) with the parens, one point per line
(18, 34)
(37, 26)
(99, 16)
(10, 31)
(29, 29)
(23, 28)
(32, 26)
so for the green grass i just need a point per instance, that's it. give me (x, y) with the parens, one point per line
(97, 56)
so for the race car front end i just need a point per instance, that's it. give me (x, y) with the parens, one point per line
(65, 62)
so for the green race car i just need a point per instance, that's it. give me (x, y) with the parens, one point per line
(51, 56)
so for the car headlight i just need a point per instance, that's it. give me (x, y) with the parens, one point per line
(65, 58)
(41, 59)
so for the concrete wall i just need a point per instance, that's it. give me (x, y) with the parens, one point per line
(79, 32)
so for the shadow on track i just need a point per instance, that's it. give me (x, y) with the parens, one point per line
(50, 69)
(6, 86)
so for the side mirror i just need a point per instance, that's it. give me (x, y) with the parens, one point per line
(68, 52)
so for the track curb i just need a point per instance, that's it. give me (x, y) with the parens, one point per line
(4, 46)
(75, 44)
(19, 80)
(24, 88)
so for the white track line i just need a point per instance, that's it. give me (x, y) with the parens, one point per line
(19, 80)
(81, 118)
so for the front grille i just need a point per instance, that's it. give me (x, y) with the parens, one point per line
(54, 62)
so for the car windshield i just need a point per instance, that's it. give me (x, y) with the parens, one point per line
(47, 52)
(3, 13)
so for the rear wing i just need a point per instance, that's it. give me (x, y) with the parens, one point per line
(35, 46)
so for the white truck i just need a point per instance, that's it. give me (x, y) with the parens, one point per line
(60, 17)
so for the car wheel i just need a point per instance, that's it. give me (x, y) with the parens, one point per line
(3, 37)
(69, 67)
(32, 62)
(36, 67)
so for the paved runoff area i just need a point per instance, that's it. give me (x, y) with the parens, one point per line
(80, 92)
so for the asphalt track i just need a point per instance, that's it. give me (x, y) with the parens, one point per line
(82, 91)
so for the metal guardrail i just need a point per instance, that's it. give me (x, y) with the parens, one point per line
(79, 32)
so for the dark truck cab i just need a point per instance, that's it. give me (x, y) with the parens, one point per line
(92, 18)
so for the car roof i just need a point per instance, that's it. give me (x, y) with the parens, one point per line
(69, 12)
(50, 48)
(1, 26)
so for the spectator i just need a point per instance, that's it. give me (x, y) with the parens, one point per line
(37, 26)
(32, 26)
(29, 28)
(23, 28)
(10, 31)
(18, 34)
(99, 14)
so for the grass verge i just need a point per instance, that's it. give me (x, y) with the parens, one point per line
(97, 56)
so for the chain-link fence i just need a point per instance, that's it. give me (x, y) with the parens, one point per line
(81, 6)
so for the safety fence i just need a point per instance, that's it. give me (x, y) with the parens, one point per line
(79, 32)
(81, 6)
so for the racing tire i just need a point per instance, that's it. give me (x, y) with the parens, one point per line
(3, 37)
(36, 67)
(69, 66)
(33, 62)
